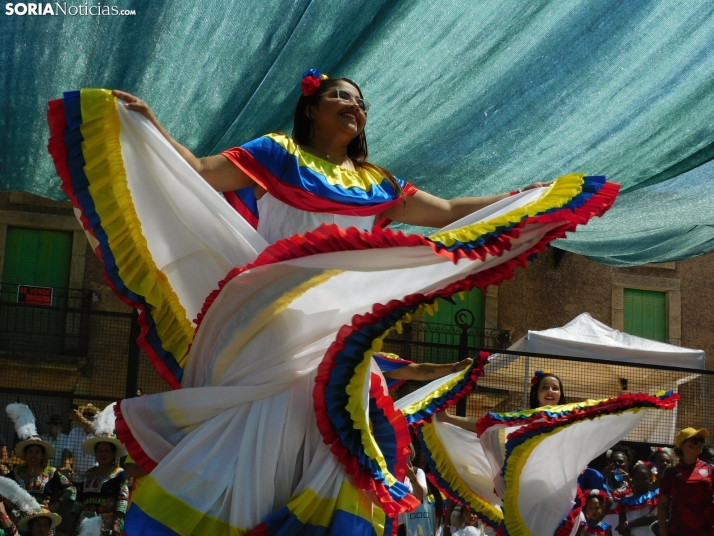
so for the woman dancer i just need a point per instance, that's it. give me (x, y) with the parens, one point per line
(104, 491)
(503, 474)
(280, 357)
(45, 483)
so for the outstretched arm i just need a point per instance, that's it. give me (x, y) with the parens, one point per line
(216, 170)
(430, 211)
(467, 423)
(426, 371)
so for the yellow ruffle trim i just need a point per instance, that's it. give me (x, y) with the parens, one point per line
(449, 474)
(558, 194)
(104, 168)
(436, 393)
(356, 403)
(362, 178)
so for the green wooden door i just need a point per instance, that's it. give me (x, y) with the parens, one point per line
(442, 324)
(41, 258)
(645, 314)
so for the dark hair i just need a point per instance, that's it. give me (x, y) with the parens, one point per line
(653, 456)
(534, 390)
(640, 467)
(356, 149)
(709, 449)
(598, 498)
(112, 445)
(624, 450)
(44, 452)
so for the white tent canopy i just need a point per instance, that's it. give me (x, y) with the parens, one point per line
(584, 336)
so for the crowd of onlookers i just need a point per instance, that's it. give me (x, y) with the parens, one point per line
(76, 475)
(68, 456)
(73, 479)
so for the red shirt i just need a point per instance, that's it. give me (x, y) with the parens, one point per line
(689, 488)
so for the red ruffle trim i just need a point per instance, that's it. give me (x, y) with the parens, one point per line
(573, 516)
(131, 444)
(403, 438)
(613, 405)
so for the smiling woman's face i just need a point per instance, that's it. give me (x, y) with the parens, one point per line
(549, 391)
(334, 115)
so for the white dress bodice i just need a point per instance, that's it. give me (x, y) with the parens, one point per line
(278, 220)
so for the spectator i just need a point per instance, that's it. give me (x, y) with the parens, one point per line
(58, 440)
(639, 510)
(43, 482)
(416, 481)
(7, 527)
(616, 475)
(685, 496)
(104, 492)
(84, 417)
(662, 459)
(39, 523)
(617, 480)
(595, 505)
(468, 523)
(4, 457)
(707, 455)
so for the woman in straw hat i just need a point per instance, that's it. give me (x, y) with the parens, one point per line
(43, 482)
(105, 492)
(39, 523)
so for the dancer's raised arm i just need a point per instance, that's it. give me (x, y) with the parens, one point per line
(431, 211)
(216, 170)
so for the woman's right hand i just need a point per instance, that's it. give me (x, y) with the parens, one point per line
(135, 104)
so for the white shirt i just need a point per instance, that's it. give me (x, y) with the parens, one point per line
(421, 480)
(82, 461)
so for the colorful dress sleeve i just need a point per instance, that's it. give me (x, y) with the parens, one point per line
(387, 363)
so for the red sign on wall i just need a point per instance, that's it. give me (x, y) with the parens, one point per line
(34, 295)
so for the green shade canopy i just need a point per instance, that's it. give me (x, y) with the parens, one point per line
(469, 98)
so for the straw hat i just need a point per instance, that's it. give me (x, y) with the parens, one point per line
(89, 408)
(24, 523)
(26, 430)
(88, 445)
(103, 427)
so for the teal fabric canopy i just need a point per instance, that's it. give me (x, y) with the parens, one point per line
(468, 98)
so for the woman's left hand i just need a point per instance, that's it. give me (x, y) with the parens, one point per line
(536, 185)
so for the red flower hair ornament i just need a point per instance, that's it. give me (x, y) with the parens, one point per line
(538, 375)
(311, 81)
